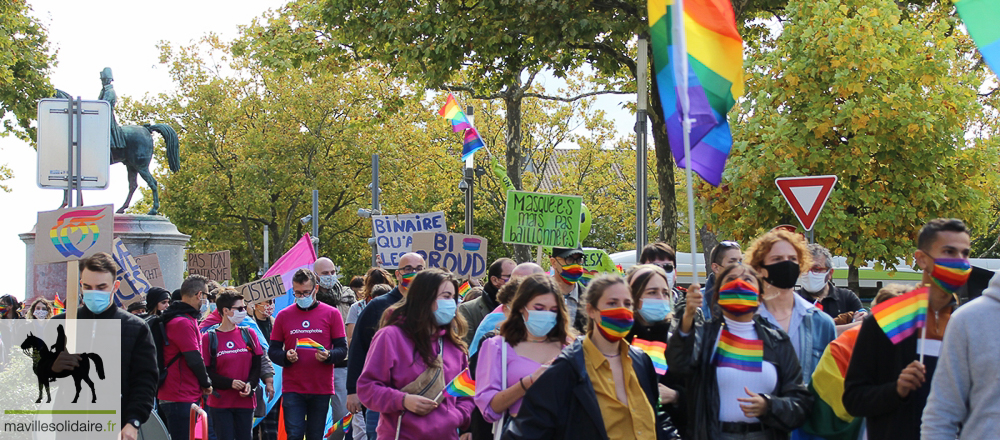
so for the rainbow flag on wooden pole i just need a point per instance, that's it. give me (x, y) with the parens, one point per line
(900, 317)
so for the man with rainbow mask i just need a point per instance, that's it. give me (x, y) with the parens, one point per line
(567, 267)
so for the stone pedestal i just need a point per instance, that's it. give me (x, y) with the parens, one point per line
(142, 234)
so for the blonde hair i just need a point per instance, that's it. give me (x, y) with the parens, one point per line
(760, 247)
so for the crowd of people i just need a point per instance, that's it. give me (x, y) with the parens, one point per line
(626, 356)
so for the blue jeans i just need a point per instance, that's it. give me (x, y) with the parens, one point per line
(232, 423)
(371, 422)
(305, 415)
(177, 417)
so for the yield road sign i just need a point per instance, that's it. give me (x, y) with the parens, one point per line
(806, 196)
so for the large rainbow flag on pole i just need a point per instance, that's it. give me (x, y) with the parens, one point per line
(903, 315)
(981, 17)
(453, 112)
(713, 78)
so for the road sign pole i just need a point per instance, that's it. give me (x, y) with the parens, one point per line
(72, 270)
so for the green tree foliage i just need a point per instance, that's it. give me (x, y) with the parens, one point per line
(853, 88)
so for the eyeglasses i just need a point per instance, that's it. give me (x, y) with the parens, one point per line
(574, 259)
(505, 278)
(667, 267)
(302, 294)
(410, 269)
(239, 309)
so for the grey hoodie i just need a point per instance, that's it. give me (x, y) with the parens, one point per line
(965, 391)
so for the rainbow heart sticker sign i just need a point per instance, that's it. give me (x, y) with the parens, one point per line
(73, 233)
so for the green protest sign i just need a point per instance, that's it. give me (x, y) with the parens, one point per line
(542, 219)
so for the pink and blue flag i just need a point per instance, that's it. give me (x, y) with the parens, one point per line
(300, 256)
(453, 112)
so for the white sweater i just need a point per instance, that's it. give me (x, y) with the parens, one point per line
(732, 381)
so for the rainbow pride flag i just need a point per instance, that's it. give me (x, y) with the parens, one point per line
(459, 122)
(741, 354)
(901, 316)
(343, 424)
(461, 386)
(980, 17)
(655, 350)
(58, 306)
(309, 343)
(464, 289)
(829, 419)
(714, 50)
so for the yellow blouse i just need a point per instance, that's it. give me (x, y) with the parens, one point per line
(633, 421)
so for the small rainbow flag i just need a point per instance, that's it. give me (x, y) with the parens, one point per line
(343, 424)
(309, 343)
(453, 112)
(655, 350)
(58, 306)
(461, 386)
(741, 354)
(901, 316)
(464, 289)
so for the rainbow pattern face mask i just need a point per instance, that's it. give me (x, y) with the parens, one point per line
(615, 323)
(407, 279)
(739, 297)
(571, 274)
(951, 273)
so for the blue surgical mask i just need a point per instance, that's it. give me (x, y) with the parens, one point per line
(445, 311)
(211, 307)
(96, 301)
(540, 322)
(204, 306)
(654, 310)
(304, 302)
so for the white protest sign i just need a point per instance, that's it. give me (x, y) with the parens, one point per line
(394, 233)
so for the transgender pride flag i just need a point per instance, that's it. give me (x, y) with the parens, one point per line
(300, 256)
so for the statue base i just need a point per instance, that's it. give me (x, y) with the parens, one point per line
(142, 234)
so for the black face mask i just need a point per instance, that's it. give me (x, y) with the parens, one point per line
(783, 274)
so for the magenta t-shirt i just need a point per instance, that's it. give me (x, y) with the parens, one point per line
(322, 324)
(181, 385)
(232, 360)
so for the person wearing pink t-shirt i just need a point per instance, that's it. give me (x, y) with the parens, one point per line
(234, 366)
(187, 378)
(307, 339)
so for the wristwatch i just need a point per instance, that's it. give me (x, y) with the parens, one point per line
(134, 423)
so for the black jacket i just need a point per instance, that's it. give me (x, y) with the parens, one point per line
(563, 404)
(659, 332)
(870, 384)
(691, 356)
(838, 300)
(139, 371)
(364, 332)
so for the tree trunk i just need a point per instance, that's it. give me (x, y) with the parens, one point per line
(664, 168)
(512, 100)
(708, 242)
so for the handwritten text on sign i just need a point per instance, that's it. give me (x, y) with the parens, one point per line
(214, 265)
(150, 265)
(463, 255)
(133, 284)
(262, 290)
(394, 233)
(542, 219)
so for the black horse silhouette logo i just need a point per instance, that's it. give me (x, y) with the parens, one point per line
(43, 358)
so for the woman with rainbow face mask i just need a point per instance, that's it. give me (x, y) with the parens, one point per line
(744, 377)
(600, 387)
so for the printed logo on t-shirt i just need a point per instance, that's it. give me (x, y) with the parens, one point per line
(305, 324)
(230, 344)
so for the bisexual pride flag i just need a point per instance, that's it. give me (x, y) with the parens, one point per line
(459, 122)
(714, 50)
(300, 256)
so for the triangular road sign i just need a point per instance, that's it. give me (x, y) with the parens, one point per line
(806, 195)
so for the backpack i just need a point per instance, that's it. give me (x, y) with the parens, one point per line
(158, 329)
(213, 344)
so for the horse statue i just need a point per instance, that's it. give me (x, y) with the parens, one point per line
(137, 154)
(43, 358)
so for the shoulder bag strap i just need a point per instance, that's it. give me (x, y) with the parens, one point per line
(498, 425)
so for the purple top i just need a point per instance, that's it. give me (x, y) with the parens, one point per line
(488, 372)
(392, 363)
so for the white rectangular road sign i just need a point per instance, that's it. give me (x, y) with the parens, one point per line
(53, 144)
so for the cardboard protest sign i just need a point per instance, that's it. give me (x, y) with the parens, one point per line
(394, 233)
(463, 255)
(542, 219)
(596, 262)
(150, 265)
(262, 290)
(73, 233)
(213, 265)
(132, 284)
